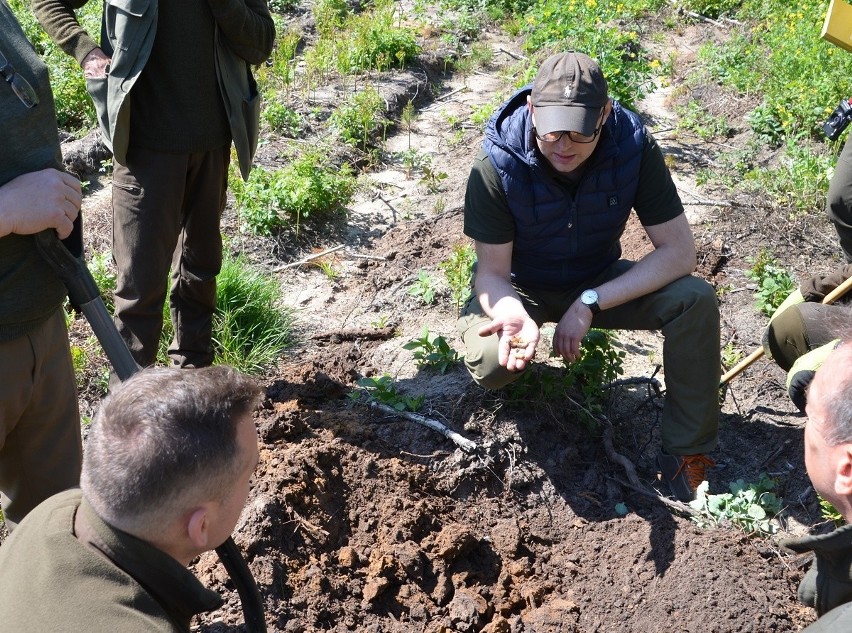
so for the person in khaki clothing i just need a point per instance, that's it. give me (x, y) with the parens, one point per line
(40, 447)
(165, 111)
(166, 473)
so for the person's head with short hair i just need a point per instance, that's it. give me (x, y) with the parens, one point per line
(170, 455)
(828, 431)
(569, 104)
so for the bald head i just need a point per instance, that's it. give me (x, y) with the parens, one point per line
(830, 397)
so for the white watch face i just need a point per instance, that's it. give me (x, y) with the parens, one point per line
(589, 297)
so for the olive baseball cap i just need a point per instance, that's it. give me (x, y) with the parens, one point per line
(568, 94)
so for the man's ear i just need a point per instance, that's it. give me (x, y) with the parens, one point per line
(843, 472)
(529, 104)
(198, 528)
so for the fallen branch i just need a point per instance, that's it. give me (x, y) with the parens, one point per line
(653, 494)
(451, 93)
(469, 446)
(354, 334)
(511, 54)
(310, 258)
(377, 258)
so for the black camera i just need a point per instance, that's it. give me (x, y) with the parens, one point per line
(838, 120)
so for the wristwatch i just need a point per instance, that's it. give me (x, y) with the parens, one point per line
(589, 298)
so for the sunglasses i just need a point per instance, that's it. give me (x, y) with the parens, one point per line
(576, 137)
(20, 86)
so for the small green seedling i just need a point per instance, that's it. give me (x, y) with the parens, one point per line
(384, 391)
(432, 353)
(425, 287)
(774, 283)
(750, 507)
(829, 512)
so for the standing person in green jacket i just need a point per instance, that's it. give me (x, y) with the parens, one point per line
(828, 458)
(161, 85)
(40, 448)
(166, 473)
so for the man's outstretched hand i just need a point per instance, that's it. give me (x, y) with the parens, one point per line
(518, 340)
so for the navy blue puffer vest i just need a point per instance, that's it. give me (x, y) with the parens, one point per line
(562, 241)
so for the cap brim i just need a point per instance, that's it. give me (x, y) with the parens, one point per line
(566, 119)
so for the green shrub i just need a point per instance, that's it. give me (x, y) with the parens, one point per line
(281, 118)
(606, 30)
(774, 284)
(425, 288)
(710, 8)
(360, 117)
(103, 272)
(306, 187)
(458, 270)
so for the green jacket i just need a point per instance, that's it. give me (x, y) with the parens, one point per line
(827, 586)
(244, 33)
(64, 569)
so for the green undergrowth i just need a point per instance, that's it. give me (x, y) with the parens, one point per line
(307, 186)
(748, 506)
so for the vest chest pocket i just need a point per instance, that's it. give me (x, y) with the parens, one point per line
(127, 23)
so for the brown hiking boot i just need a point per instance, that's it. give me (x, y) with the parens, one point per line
(683, 473)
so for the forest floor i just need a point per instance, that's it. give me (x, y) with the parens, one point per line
(360, 520)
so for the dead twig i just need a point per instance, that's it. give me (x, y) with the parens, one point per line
(310, 258)
(354, 334)
(511, 54)
(678, 506)
(451, 93)
(469, 446)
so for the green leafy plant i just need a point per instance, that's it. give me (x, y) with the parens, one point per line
(425, 288)
(731, 355)
(600, 363)
(710, 8)
(360, 117)
(385, 391)
(307, 186)
(103, 272)
(829, 512)
(432, 352)
(381, 322)
(774, 283)
(458, 270)
(432, 178)
(749, 506)
(281, 118)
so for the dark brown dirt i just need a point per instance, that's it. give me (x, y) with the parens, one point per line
(359, 521)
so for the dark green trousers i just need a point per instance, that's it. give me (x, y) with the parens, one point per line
(685, 311)
(166, 213)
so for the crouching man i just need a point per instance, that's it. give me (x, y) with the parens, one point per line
(166, 472)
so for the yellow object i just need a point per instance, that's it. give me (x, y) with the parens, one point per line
(837, 27)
